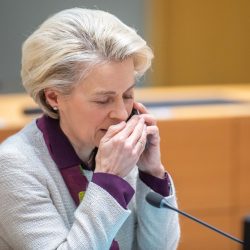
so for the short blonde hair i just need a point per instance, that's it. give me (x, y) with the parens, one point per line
(69, 44)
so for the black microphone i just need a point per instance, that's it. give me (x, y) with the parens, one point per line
(159, 201)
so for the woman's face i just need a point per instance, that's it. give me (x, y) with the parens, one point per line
(102, 99)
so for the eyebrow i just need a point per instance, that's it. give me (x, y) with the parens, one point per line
(110, 92)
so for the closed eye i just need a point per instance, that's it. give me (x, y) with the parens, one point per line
(103, 101)
(128, 97)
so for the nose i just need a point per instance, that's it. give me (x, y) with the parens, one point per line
(119, 111)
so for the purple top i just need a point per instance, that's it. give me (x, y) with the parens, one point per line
(65, 157)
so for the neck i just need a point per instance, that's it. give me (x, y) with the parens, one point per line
(82, 150)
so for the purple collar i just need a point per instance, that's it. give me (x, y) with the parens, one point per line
(59, 146)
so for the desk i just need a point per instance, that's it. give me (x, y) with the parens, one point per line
(205, 149)
(12, 117)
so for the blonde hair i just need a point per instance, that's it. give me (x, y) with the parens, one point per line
(69, 44)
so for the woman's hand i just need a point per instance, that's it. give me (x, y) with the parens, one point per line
(150, 159)
(120, 149)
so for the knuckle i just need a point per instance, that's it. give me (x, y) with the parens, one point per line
(156, 129)
(118, 141)
(112, 128)
(134, 154)
(102, 141)
(128, 146)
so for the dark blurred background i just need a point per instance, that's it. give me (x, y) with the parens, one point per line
(18, 19)
(195, 42)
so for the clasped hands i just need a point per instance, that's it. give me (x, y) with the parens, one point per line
(131, 143)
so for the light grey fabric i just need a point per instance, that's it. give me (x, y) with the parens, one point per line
(37, 211)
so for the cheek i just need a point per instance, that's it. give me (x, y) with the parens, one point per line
(98, 135)
(129, 107)
(98, 122)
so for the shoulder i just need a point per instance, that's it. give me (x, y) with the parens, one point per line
(19, 142)
(19, 152)
(23, 139)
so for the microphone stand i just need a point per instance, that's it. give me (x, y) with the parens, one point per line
(165, 204)
(159, 201)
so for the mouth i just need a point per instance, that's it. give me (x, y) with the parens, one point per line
(103, 130)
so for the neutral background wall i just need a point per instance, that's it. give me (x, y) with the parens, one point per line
(200, 42)
(195, 42)
(18, 19)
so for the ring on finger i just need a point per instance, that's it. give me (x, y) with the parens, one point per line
(141, 142)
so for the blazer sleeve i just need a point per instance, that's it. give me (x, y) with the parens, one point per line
(156, 228)
(29, 219)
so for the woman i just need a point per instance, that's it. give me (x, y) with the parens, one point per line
(77, 177)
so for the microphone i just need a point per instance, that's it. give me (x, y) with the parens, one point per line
(159, 201)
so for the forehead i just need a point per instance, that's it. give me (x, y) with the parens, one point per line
(110, 77)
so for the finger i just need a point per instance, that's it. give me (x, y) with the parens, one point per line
(143, 112)
(113, 130)
(141, 143)
(141, 108)
(149, 119)
(137, 132)
(153, 136)
(152, 130)
(129, 128)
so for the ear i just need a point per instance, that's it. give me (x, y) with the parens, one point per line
(51, 96)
